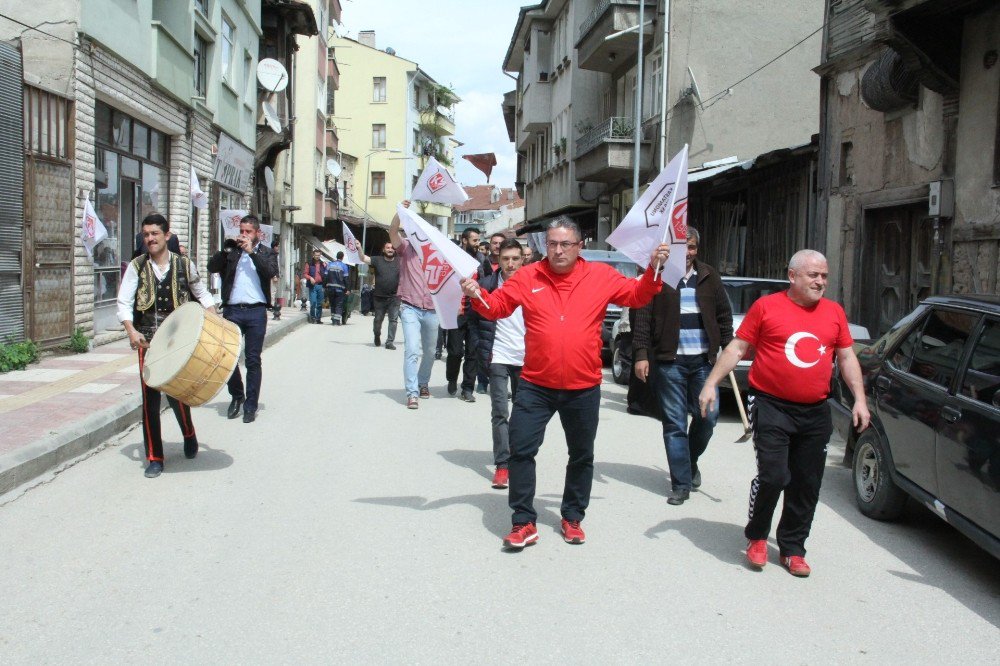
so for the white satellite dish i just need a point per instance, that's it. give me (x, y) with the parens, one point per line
(334, 168)
(338, 28)
(272, 75)
(693, 90)
(269, 179)
(271, 117)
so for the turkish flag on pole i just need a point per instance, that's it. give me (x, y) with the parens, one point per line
(436, 185)
(351, 245)
(198, 198)
(445, 265)
(92, 231)
(659, 216)
(483, 161)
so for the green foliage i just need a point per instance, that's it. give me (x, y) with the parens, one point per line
(17, 355)
(78, 342)
(444, 96)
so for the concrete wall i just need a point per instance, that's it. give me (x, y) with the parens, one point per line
(309, 93)
(48, 62)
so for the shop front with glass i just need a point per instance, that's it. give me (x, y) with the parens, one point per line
(131, 178)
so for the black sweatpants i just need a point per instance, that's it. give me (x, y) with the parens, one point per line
(462, 344)
(791, 441)
(151, 439)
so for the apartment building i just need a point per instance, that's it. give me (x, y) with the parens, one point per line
(490, 209)
(396, 117)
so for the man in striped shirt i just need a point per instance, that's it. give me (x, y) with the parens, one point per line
(675, 341)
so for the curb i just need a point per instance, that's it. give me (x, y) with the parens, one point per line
(44, 455)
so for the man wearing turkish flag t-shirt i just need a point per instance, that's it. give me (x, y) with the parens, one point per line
(795, 335)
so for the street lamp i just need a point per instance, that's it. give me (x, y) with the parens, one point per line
(368, 174)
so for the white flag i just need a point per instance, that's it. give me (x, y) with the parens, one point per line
(351, 255)
(659, 216)
(92, 231)
(445, 265)
(436, 185)
(198, 198)
(230, 218)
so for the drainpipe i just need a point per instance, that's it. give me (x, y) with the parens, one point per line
(638, 105)
(665, 64)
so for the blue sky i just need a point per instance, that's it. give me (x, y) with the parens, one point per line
(460, 43)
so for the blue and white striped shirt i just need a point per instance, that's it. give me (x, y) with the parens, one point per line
(692, 340)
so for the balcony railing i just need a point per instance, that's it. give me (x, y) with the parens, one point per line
(594, 16)
(616, 127)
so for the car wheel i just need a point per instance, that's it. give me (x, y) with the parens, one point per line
(621, 369)
(877, 496)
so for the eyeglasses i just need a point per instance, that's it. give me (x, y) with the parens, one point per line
(565, 245)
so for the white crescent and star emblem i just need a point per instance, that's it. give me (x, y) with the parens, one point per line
(790, 349)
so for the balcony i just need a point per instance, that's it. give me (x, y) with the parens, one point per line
(437, 120)
(535, 112)
(332, 142)
(332, 75)
(609, 17)
(509, 108)
(331, 211)
(604, 153)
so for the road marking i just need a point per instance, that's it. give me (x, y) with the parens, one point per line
(66, 384)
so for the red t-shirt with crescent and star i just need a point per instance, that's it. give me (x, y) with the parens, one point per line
(794, 346)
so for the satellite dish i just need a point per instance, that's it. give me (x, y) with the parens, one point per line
(271, 117)
(338, 28)
(269, 179)
(272, 75)
(333, 167)
(694, 90)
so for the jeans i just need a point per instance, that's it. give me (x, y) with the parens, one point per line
(253, 326)
(419, 333)
(533, 409)
(463, 343)
(499, 373)
(316, 301)
(383, 305)
(678, 384)
(336, 298)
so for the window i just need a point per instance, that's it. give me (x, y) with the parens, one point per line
(416, 142)
(140, 140)
(121, 130)
(202, 6)
(654, 87)
(378, 183)
(45, 119)
(378, 89)
(378, 136)
(982, 378)
(200, 66)
(932, 351)
(228, 39)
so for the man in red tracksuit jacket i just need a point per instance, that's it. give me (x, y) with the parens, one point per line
(564, 299)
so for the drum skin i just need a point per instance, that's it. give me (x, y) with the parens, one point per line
(192, 355)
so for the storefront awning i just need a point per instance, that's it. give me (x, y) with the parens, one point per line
(329, 249)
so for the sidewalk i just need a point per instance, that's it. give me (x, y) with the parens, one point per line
(68, 404)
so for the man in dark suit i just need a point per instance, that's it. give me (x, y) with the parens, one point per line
(247, 267)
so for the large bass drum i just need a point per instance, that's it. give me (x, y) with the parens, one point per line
(192, 355)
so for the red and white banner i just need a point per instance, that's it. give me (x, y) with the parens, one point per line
(659, 216)
(92, 231)
(351, 245)
(437, 185)
(198, 198)
(445, 265)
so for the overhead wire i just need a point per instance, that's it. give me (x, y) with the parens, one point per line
(37, 29)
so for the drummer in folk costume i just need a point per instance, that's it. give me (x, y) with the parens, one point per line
(154, 285)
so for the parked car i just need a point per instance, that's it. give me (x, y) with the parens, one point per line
(626, 267)
(742, 292)
(933, 389)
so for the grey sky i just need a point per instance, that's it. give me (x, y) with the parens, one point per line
(460, 43)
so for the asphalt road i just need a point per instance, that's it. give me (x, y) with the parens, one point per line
(341, 527)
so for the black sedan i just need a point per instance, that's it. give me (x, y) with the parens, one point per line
(933, 387)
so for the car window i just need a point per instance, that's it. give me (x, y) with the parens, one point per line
(938, 349)
(982, 377)
(742, 294)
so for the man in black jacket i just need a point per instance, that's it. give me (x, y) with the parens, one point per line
(681, 332)
(247, 266)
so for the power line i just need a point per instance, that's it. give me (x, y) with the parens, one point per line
(36, 29)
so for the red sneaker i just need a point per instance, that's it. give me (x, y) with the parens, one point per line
(571, 532)
(411, 402)
(501, 477)
(796, 565)
(521, 535)
(757, 553)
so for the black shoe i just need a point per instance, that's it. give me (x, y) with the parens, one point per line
(389, 345)
(378, 341)
(696, 478)
(678, 497)
(234, 408)
(249, 417)
(154, 469)
(468, 397)
(437, 355)
(453, 388)
(190, 447)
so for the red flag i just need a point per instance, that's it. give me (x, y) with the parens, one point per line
(484, 162)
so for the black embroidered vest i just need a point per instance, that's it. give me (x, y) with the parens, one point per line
(155, 299)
